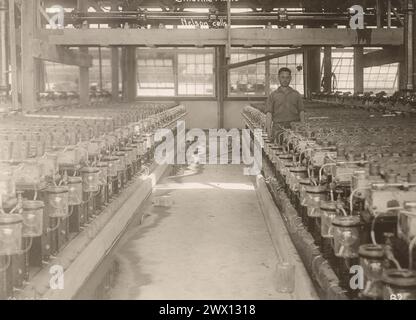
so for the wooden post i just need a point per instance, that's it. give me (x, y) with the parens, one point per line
(84, 74)
(327, 69)
(115, 69)
(312, 70)
(221, 83)
(131, 73)
(358, 70)
(29, 32)
(13, 56)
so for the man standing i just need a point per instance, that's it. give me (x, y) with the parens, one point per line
(284, 105)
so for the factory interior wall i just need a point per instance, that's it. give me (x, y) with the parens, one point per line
(203, 114)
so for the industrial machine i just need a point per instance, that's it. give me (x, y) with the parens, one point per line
(351, 178)
(59, 169)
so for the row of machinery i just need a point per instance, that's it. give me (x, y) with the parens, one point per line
(58, 171)
(351, 176)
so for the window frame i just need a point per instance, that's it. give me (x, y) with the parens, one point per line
(176, 52)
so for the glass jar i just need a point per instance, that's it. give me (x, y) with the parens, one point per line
(300, 171)
(113, 164)
(56, 204)
(135, 152)
(7, 187)
(399, 284)
(303, 183)
(74, 191)
(90, 179)
(406, 222)
(122, 165)
(32, 218)
(313, 207)
(129, 155)
(10, 234)
(103, 167)
(328, 214)
(373, 262)
(346, 231)
(360, 181)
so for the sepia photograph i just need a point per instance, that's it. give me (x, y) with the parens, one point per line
(210, 157)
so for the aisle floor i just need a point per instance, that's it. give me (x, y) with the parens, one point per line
(211, 243)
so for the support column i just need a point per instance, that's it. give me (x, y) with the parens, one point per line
(221, 83)
(358, 70)
(402, 76)
(29, 32)
(312, 70)
(84, 73)
(115, 69)
(4, 83)
(129, 73)
(84, 83)
(327, 69)
(409, 44)
(380, 13)
(15, 83)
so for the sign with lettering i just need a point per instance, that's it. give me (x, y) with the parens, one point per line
(218, 23)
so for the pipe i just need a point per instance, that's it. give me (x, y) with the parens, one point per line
(4, 83)
(409, 44)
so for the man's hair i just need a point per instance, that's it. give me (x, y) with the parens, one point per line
(284, 69)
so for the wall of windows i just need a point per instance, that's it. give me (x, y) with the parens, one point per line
(155, 73)
(105, 69)
(248, 80)
(60, 77)
(376, 79)
(382, 78)
(196, 74)
(261, 78)
(175, 72)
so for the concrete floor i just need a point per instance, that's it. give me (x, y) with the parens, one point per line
(212, 243)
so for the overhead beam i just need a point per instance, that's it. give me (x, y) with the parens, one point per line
(239, 37)
(383, 56)
(282, 53)
(44, 51)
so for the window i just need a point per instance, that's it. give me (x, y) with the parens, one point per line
(105, 69)
(343, 68)
(155, 73)
(60, 77)
(175, 72)
(376, 79)
(247, 80)
(292, 62)
(196, 74)
(381, 78)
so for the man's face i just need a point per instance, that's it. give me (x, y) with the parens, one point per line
(285, 78)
